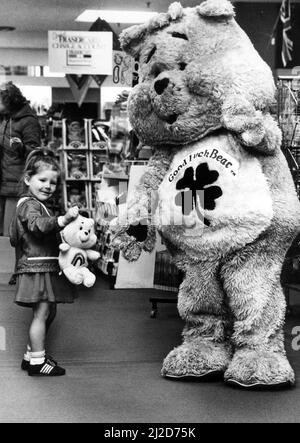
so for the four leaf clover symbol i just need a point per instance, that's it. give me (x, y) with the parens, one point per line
(193, 184)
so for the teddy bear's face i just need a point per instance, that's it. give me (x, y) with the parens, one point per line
(190, 60)
(80, 233)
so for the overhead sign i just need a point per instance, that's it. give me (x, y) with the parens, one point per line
(80, 52)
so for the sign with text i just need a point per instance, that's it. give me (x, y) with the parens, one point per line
(80, 52)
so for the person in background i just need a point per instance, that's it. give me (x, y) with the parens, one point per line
(20, 133)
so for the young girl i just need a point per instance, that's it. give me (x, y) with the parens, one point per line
(34, 232)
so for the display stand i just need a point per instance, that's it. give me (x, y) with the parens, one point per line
(289, 121)
(82, 161)
(106, 210)
(137, 274)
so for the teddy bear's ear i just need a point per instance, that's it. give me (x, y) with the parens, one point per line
(175, 11)
(131, 39)
(216, 9)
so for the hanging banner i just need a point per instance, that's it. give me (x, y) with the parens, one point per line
(79, 85)
(80, 52)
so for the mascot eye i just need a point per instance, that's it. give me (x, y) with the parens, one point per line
(151, 53)
(182, 66)
(80, 228)
(179, 35)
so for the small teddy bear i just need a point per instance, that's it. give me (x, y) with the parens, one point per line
(77, 168)
(75, 134)
(75, 251)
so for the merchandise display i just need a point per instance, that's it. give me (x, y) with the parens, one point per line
(226, 206)
(289, 121)
(107, 197)
(84, 154)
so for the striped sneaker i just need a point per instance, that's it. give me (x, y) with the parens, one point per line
(25, 363)
(46, 369)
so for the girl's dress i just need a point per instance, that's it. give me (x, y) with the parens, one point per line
(34, 232)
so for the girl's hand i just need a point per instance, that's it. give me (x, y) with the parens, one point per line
(70, 215)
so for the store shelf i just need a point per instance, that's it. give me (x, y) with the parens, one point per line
(289, 121)
(84, 161)
(115, 177)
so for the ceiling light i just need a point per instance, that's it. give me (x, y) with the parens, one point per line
(91, 15)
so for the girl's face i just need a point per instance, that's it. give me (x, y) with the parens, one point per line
(42, 185)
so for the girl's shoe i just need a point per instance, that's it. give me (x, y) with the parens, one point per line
(13, 280)
(45, 370)
(25, 364)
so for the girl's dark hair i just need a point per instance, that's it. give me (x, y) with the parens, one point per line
(11, 97)
(36, 159)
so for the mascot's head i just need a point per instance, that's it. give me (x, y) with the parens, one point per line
(80, 233)
(191, 60)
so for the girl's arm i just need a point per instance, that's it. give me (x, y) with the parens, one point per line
(33, 220)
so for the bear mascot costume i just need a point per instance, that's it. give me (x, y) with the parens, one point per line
(217, 188)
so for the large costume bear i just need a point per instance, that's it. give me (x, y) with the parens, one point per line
(220, 188)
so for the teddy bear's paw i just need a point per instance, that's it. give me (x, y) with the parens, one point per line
(135, 238)
(89, 280)
(253, 136)
(198, 359)
(150, 241)
(259, 369)
(272, 138)
(240, 116)
(73, 276)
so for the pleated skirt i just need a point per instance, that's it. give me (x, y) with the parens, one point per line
(37, 287)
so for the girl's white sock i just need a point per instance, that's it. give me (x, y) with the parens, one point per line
(37, 358)
(27, 355)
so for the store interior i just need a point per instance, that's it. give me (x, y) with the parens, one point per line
(118, 332)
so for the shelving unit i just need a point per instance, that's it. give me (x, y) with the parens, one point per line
(289, 121)
(107, 210)
(83, 154)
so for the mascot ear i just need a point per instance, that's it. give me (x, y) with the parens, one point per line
(131, 39)
(175, 11)
(221, 9)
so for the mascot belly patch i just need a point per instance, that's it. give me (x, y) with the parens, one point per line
(212, 186)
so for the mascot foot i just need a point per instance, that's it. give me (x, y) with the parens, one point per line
(197, 360)
(253, 369)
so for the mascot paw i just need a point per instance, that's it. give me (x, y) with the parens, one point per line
(132, 250)
(131, 240)
(252, 137)
(259, 369)
(240, 116)
(199, 359)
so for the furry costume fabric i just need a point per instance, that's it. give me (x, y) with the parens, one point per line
(220, 188)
